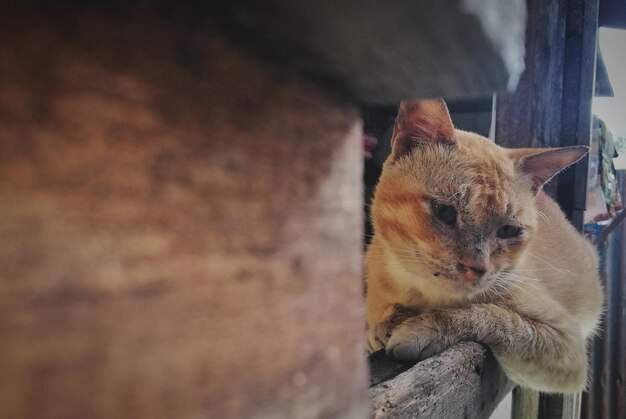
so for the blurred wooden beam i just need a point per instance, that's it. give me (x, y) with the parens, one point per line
(377, 52)
(180, 226)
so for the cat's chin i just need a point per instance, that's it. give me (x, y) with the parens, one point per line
(458, 285)
(436, 282)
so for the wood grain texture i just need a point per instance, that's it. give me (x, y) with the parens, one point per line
(525, 404)
(180, 226)
(552, 108)
(531, 115)
(378, 52)
(463, 382)
(581, 38)
(383, 368)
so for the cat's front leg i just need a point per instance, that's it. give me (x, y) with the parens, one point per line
(379, 334)
(546, 355)
(420, 337)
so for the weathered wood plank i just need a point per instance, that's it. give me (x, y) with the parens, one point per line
(379, 51)
(579, 51)
(525, 404)
(463, 382)
(383, 368)
(552, 107)
(531, 116)
(578, 91)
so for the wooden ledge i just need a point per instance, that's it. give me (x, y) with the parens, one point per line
(463, 382)
(380, 52)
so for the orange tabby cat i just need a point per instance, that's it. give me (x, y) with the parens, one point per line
(467, 247)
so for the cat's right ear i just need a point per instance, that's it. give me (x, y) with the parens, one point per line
(420, 122)
(540, 165)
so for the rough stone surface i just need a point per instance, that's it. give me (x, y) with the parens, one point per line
(180, 227)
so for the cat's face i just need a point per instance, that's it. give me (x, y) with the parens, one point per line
(453, 209)
(455, 215)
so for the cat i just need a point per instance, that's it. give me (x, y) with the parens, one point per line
(467, 247)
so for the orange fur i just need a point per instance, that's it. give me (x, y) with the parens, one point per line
(534, 298)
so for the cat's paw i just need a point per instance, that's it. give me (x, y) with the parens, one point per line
(377, 337)
(417, 338)
(379, 334)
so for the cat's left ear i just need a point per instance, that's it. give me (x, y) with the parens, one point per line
(420, 122)
(542, 164)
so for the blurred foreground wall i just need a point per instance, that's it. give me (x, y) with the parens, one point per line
(162, 197)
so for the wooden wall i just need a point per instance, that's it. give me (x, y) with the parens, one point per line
(180, 227)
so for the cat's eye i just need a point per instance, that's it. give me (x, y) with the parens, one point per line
(445, 213)
(508, 231)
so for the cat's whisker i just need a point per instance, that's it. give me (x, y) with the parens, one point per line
(549, 264)
(497, 291)
(522, 287)
(400, 252)
(542, 215)
(533, 270)
(404, 251)
(501, 293)
(397, 246)
(517, 283)
(519, 277)
(408, 260)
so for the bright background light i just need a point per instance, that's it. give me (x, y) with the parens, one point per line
(612, 110)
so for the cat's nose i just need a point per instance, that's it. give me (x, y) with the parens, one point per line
(472, 269)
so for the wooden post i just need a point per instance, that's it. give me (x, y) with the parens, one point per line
(552, 107)
(525, 404)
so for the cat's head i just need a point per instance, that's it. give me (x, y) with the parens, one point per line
(452, 209)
